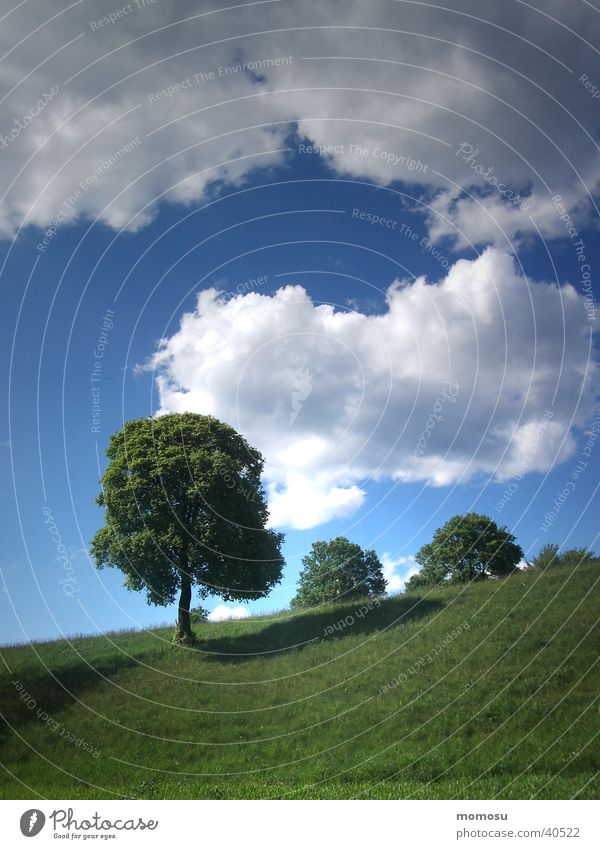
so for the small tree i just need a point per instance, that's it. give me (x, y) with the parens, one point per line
(547, 556)
(466, 548)
(415, 582)
(574, 557)
(198, 614)
(185, 507)
(336, 571)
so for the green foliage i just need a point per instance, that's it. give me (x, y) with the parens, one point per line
(185, 507)
(574, 557)
(198, 614)
(338, 570)
(184, 637)
(415, 582)
(549, 557)
(271, 708)
(467, 548)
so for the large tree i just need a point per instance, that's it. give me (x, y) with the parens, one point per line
(185, 507)
(336, 571)
(467, 548)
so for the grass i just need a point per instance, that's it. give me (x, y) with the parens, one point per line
(291, 707)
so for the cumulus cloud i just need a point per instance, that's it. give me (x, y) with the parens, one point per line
(484, 373)
(224, 612)
(481, 219)
(211, 95)
(397, 571)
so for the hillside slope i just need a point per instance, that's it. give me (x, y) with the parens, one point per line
(481, 691)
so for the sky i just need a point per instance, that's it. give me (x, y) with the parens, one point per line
(363, 234)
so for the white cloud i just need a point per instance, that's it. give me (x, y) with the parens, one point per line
(224, 612)
(466, 394)
(296, 501)
(397, 571)
(479, 220)
(397, 82)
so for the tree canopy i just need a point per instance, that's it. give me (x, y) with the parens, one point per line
(549, 556)
(466, 548)
(185, 507)
(338, 570)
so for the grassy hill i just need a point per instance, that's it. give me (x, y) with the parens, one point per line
(481, 691)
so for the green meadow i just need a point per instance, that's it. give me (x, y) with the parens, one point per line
(487, 690)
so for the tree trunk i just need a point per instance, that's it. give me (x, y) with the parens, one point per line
(184, 628)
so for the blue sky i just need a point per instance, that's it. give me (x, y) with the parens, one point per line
(298, 219)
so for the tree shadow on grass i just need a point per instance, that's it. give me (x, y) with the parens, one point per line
(366, 618)
(34, 694)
